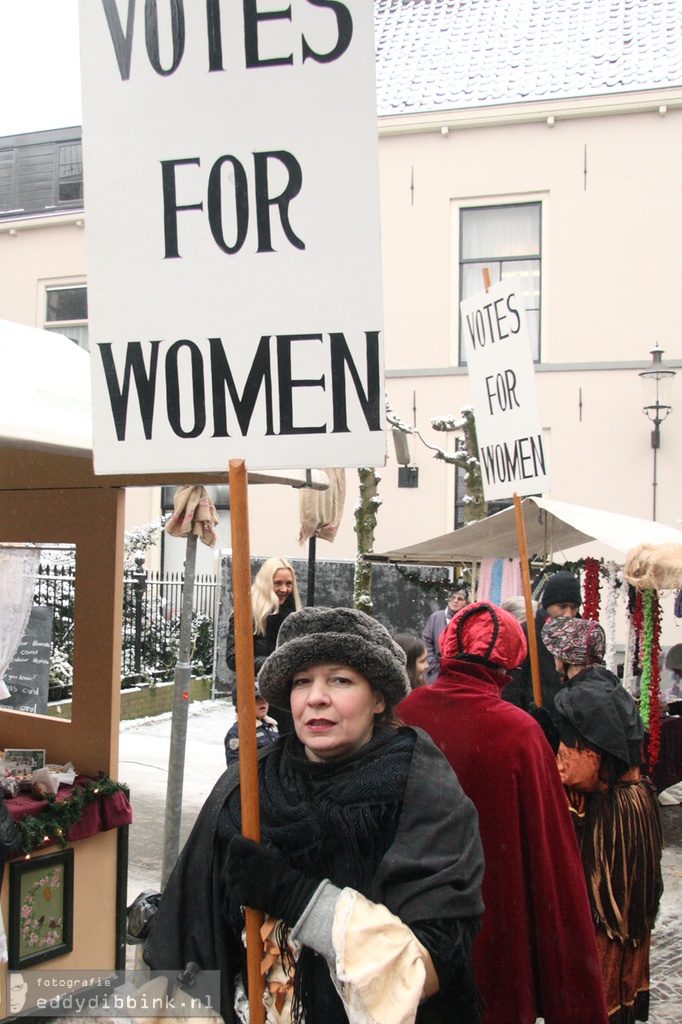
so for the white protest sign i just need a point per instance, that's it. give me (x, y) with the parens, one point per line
(232, 226)
(508, 427)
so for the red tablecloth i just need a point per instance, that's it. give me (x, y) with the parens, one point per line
(99, 815)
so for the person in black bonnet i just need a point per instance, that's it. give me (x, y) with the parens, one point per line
(371, 863)
(561, 596)
(615, 811)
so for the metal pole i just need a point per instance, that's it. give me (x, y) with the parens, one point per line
(655, 444)
(140, 584)
(312, 546)
(178, 738)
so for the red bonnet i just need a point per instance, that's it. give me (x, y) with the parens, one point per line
(486, 634)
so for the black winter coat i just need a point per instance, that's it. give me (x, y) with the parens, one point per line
(431, 871)
(520, 690)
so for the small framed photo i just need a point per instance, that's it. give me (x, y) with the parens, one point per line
(23, 762)
(40, 909)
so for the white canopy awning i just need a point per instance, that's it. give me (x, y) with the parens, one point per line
(550, 526)
(45, 402)
(44, 391)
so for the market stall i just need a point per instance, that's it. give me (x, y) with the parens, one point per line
(552, 527)
(641, 553)
(49, 496)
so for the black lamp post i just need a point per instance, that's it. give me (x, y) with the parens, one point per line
(658, 379)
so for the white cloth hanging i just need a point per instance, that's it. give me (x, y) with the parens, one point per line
(17, 582)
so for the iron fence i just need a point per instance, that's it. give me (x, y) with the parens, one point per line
(151, 624)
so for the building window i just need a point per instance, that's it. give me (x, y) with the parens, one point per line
(66, 312)
(506, 240)
(70, 173)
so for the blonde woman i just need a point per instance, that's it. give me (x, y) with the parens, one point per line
(274, 595)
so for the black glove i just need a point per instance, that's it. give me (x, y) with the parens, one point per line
(259, 877)
(547, 724)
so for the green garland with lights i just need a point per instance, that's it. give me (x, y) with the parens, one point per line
(440, 587)
(53, 824)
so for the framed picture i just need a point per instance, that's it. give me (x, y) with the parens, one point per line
(40, 909)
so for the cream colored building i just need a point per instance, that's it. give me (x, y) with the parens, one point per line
(502, 143)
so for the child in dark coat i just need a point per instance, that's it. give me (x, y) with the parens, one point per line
(266, 728)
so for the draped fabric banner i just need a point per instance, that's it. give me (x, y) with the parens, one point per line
(320, 511)
(500, 579)
(17, 582)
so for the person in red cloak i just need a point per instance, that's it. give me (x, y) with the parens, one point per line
(536, 955)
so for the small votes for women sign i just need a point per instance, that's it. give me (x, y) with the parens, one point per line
(508, 428)
(233, 246)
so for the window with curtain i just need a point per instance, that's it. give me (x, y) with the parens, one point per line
(66, 312)
(506, 240)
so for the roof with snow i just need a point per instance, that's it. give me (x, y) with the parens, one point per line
(437, 55)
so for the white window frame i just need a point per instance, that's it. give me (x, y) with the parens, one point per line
(476, 202)
(60, 326)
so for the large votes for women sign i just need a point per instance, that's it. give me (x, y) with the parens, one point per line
(233, 247)
(502, 377)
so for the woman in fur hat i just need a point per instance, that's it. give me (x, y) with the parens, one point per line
(615, 811)
(370, 866)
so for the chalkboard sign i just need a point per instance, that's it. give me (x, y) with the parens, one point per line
(28, 675)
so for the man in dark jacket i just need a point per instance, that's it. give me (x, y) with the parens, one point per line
(435, 624)
(561, 596)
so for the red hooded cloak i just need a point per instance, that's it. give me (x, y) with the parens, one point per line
(536, 954)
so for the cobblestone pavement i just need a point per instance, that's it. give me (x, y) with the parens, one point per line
(666, 943)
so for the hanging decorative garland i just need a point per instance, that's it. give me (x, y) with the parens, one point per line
(591, 596)
(649, 700)
(611, 602)
(549, 570)
(440, 586)
(53, 824)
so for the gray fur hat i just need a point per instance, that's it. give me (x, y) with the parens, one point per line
(341, 635)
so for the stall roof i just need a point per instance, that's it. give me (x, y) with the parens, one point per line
(44, 391)
(45, 406)
(550, 526)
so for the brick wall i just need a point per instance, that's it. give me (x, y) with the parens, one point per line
(144, 701)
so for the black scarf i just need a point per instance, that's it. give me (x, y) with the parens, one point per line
(331, 820)
(274, 621)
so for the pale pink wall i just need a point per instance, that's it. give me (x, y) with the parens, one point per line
(612, 262)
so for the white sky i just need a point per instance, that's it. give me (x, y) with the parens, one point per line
(39, 65)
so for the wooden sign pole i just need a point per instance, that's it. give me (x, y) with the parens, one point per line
(530, 617)
(246, 714)
(525, 575)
